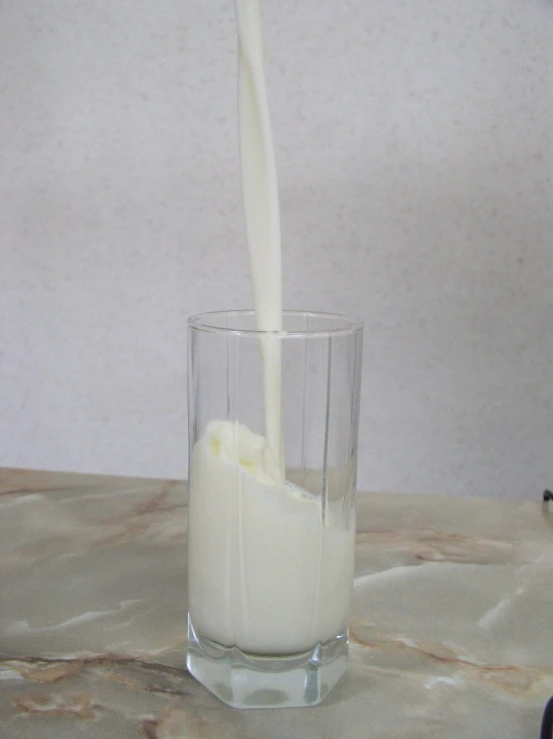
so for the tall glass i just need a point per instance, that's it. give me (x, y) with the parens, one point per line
(271, 535)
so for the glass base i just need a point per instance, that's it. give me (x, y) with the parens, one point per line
(245, 680)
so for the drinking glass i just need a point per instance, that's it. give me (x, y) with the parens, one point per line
(271, 523)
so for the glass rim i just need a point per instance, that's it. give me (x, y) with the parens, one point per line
(203, 322)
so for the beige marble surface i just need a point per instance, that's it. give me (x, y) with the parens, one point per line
(451, 634)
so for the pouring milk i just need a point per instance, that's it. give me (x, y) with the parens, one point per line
(262, 598)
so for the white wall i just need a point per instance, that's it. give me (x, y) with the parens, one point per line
(414, 144)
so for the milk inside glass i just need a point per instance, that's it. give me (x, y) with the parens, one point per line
(286, 586)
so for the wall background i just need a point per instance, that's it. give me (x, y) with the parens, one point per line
(415, 154)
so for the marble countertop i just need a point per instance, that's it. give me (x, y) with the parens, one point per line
(451, 634)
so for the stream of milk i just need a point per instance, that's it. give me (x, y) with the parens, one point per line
(261, 208)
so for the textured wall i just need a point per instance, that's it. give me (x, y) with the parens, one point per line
(415, 156)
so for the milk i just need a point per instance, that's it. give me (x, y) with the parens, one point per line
(268, 572)
(261, 207)
(265, 574)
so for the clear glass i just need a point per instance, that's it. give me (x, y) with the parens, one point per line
(270, 564)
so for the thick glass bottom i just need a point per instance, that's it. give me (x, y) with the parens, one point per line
(246, 680)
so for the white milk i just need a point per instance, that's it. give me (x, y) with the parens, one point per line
(265, 573)
(261, 207)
